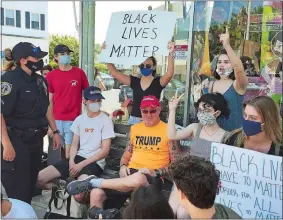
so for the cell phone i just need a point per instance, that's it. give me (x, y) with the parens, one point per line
(8, 165)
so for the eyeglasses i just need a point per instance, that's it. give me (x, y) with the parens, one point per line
(145, 111)
(206, 110)
(147, 66)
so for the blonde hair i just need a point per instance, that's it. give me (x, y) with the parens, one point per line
(269, 112)
(8, 65)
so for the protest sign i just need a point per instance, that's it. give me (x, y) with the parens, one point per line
(251, 182)
(133, 36)
(180, 52)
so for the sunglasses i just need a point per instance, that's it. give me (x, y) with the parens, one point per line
(145, 111)
(147, 66)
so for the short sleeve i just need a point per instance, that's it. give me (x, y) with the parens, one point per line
(9, 92)
(85, 83)
(75, 128)
(108, 130)
(49, 81)
(134, 82)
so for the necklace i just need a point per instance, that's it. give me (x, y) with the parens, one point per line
(212, 133)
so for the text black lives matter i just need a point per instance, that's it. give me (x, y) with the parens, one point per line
(134, 33)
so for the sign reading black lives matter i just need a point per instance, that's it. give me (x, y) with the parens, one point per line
(251, 182)
(133, 36)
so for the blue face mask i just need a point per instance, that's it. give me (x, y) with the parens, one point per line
(146, 72)
(251, 128)
(64, 59)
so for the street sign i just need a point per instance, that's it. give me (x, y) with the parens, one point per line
(180, 52)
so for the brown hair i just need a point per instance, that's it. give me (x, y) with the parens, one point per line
(269, 112)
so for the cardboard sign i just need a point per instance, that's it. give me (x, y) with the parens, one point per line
(180, 52)
(133, 36)
(251, 182)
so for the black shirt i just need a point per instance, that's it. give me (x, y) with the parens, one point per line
(232, 141)
(154, 89)
(24, 99)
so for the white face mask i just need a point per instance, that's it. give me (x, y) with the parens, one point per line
(94, 107)
(226, 72)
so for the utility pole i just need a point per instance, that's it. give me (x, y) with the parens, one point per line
(87, 32)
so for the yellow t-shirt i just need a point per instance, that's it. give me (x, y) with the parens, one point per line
(150, 146)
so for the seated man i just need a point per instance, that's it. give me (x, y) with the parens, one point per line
(145, 159)
(196, 183)
(93, 131)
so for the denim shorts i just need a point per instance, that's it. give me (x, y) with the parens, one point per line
(134, 120)
(66, 135)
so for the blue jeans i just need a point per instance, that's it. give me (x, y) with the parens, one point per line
(66, 135)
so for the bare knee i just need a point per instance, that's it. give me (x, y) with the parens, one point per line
(97, 197)
(47, 175)
(81, 198)
(137, 180)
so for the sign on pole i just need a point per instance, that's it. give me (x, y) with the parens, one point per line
(133, 36)
(180, 52)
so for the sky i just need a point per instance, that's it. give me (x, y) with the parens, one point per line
(61, 15)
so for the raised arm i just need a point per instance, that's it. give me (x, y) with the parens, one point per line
(241, 82)
(165, 79)
(171, 129)
(124, 79)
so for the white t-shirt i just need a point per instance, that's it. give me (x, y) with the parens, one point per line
(92, 132)
(20, 209)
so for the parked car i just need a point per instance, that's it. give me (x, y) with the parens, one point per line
(125, 91)
(108, 80)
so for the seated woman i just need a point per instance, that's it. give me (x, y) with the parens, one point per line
(261, 129)
(209, 107)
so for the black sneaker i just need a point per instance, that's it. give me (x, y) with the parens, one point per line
(94, 213)
(80, 186)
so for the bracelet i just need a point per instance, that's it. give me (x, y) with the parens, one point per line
(56, 132)
(122, 165)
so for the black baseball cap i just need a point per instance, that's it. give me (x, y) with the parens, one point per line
(92, 93)
(25, 49)
(61, 48)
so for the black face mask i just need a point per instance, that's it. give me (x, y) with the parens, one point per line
(35, 66)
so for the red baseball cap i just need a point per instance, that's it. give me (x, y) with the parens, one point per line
(149, 101)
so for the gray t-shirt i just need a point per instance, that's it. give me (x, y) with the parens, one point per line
(92, 132)
(223, 212)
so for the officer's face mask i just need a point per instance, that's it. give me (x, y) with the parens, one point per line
(34, 66)
(64, 59)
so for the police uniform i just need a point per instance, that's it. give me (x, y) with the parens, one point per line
(24, 102)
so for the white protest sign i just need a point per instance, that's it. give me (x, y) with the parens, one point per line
(251, 182)
(133, 36)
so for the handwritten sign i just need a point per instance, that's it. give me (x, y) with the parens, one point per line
(133, 36)
(251, 181)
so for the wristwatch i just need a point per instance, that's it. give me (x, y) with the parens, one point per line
(56, 132)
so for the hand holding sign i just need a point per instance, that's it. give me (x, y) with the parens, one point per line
(171, 46)
(133, 36)
(173, 104)
(225, 38)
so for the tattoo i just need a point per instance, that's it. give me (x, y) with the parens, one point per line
(163, 171)
(127, 153)
(130, 147)
(174, 150)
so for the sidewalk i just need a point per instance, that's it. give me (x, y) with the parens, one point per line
(40, 203)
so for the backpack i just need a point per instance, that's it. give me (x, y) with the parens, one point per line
(63, 206)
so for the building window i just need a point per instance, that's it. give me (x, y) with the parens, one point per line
(35, 21)
(10, 17)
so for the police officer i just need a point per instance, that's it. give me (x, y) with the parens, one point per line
(25, 118)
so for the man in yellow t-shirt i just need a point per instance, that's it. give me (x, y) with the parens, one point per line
(145, 160)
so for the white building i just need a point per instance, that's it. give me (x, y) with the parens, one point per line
(24, 21)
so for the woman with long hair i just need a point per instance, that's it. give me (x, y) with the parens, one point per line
(231, 81)
(148, 84)
(262, 127)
